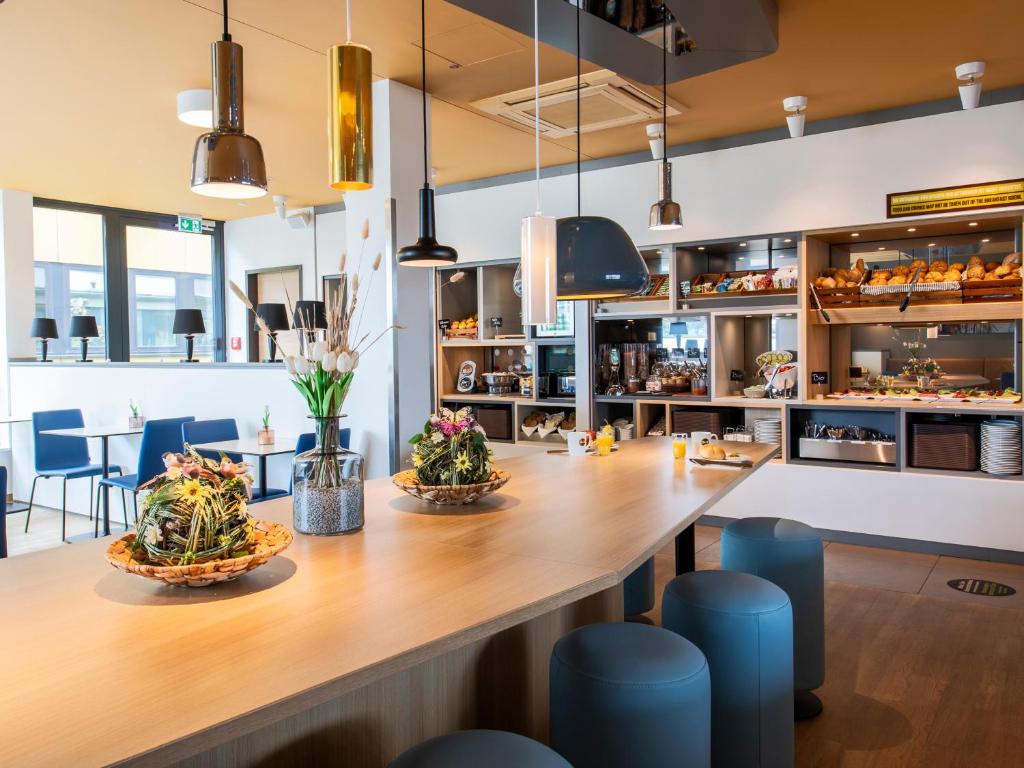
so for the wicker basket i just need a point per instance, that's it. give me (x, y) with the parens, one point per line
(450, 494)
(271, 538)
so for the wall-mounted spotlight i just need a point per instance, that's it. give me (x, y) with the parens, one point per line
(795, 105)
(970, 75)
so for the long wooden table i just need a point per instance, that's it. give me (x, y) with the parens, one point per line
(343, 650)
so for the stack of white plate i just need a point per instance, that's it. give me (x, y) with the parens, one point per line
(768, 431)
(1001, 447)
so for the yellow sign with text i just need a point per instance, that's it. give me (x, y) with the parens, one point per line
(995, 194)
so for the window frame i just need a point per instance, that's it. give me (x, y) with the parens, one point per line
(115, 271)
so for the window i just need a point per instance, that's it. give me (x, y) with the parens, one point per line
(68, 249)
(131, 270)
(168, 270)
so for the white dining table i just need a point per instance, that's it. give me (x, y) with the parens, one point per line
(250, 446)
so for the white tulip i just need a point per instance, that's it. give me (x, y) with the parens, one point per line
(289, 363)
(317, 350)
(301, 366)
(329, 361)
(344, 363)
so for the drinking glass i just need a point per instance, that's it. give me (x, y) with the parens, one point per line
(679, 445)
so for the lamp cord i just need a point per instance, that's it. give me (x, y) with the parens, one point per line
(536, 97)
(423, 88)
(664, 82)
(226, 36)
(579, 194)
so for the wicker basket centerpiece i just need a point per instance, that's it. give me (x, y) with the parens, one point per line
(451, 461)
(194, 529)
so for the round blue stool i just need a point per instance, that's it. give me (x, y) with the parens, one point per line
(790, 555)
(627, 694)
(638, 590)
(744, 626)
(472, 749)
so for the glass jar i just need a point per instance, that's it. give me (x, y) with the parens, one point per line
(327, 485)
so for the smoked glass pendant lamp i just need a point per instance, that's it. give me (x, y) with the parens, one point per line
(228, 163)
(350, 121)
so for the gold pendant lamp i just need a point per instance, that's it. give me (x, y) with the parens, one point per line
(350, 119)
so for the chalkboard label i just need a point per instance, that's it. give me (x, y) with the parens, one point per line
(737, 375)
(819, 377)
(444, 324)
(693, 352)
(496, 322)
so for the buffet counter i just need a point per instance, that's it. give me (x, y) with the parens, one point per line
(344, 650)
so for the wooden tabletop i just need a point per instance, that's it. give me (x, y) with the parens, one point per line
(103, 430)
(106, 667)
(249, 446)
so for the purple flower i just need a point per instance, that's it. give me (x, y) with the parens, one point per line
(463, 424)
(448, 428)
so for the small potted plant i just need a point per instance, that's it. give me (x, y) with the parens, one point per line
(266, 435)
(136, 420)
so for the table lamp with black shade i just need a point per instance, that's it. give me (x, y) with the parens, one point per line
(275, 316)
(310, 317)
(84, 327)
(44, 329)
(188, 323)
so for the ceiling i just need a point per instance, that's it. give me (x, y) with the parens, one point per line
(88, 88)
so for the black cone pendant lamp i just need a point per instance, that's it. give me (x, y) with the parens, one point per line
(426, 252)
(596, 258)
(227, 162)
(666, 213)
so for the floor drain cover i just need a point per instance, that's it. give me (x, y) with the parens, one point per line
(982, 587)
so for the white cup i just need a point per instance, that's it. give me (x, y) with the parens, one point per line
(578, 443)
(697, 440)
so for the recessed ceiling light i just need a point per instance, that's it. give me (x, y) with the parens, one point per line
(700, 247)
(931, 245)
(911, 229)
(788, 240)
(881, 247)
(855, 234)
(972, 224)
(748, 315)
(743, 245)
(986, 239)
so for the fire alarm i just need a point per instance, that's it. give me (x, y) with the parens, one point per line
(236, 342)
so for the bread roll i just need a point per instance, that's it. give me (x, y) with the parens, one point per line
(975, 260)
(903, 269)
(975, 272)
(990, 266)
(828, 282)
(1002, 270)
(990, 276)
(712, 451)
(918, 263)
(882, 273)
(959, 266)
(898, 280)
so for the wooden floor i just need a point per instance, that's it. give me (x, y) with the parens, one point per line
(918, 674)
(44, 528)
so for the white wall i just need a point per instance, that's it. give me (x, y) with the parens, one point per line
(815, 182)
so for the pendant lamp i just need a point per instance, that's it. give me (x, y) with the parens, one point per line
(426, 252)
(539, 255)
(596, 258)
(665, 214)
(350, 123)
(227, 162)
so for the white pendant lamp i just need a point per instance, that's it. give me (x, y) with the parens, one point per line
(539, 255)
(795, 106)
(666, 213)
(970, 75)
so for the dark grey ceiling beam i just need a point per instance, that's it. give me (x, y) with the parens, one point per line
(726, 33)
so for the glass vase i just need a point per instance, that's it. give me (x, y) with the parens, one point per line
(327, 485)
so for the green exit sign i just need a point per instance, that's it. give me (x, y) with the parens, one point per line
(189, 223)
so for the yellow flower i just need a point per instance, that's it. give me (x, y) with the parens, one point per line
(417, 460)
(462, 462)
(192, 491)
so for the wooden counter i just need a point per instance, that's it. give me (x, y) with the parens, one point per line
(355, 647)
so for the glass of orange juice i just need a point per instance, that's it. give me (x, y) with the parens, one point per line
(679, 446)
(604, 443)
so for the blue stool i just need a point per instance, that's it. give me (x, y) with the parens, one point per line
(632, 695)
(744, 626)
(638, 590)
(788, 554)
(473, 749)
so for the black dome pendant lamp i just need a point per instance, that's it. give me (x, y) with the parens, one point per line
(426, 252)
(596, 258)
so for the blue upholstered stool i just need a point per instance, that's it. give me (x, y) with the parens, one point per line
(638, 590)
(632, 695)
(788, 554)
(744, 626)
(473, 749)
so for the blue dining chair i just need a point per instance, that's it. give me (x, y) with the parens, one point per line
(159, 436)
(62, 456)
(3, 512)
(217, 431)
(211, 431)
(307, 442)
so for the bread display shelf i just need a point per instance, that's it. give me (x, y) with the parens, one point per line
(1006, 289)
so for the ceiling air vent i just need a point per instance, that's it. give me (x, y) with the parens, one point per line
(606, 101)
